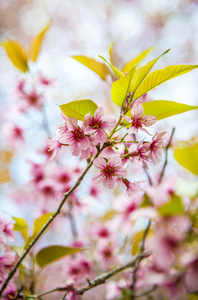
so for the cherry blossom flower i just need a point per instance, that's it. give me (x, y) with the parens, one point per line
(140, 155)
(156, 147)
(139, 120)
(76, 139)
(13, 134)
(110, 171)
(98, 124)
(132, 187)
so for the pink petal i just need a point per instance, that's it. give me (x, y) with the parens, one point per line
(99, 113)
(137, 110)
(100, 163)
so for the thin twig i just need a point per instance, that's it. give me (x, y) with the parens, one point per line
(139, 260)
(72, 223)
(102, 279)
(166, 156)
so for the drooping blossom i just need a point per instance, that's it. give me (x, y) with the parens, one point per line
(132, 187)
(110, 171)
(98, 124)
(138, 119)
(157, 146)
(140, 154)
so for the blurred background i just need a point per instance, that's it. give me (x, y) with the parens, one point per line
(88, 27)
(85, 27)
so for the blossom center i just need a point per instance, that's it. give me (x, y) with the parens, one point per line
(95, 124)
(137, 123)
(78, 135)
(108, 171)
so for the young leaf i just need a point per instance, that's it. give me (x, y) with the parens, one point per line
(160, 76)
(17, 54)
(186, 154)
(120, 87)
(79, 108)
(38, 224)
(141, 73)
(163, 109)
(52, 253)
(94, 65)
(136, 60)
(111, 53)
(173, 207)
(137, 239)
(117, 72)
(21, 225)
(36, 43)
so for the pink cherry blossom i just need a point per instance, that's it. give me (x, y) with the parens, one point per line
(139, 120)
(98, 124)
(140, 155)
(74, 136)
(157, 146)
(110, 171)
(132, 188)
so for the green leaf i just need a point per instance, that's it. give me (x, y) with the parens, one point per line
(79, 108)
(94, 65)
(17, 54)
(142, 72)
(186, 154)
(158, 77)
(36, 43)
(163, 109)
(120, 87)
(136, 60)
(38, 224)
(52, 253)
(21, 225)
(173, 207)
(117, 72)
(111, 53)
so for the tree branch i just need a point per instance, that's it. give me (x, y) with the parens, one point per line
(97, 281)
(166, 156)
(138, 261)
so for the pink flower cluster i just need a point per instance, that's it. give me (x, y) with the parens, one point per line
(82, 139)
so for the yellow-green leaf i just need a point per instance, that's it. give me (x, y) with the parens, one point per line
(137, 238)
(22, 226)
(160, 76)
(163, 109)
(186, 154)
(111, 53)
(17, 54)
(173, 207)
(79, 108)
(141, 73)
(136, 60)
(117, 72)
(52, 253)
(36, 43)
(40, 222)
(120, 87)
(94, 65)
